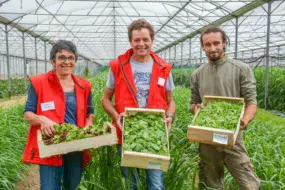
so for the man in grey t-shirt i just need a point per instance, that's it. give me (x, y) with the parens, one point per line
(139, 78)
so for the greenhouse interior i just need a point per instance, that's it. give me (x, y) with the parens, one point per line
(99, 29)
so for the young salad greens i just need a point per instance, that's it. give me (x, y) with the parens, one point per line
(67, 132)
(220, 114)
(144, 132)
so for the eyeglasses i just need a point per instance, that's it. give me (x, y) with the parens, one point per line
(63, 59)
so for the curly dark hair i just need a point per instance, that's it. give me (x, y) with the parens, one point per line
(63, 45)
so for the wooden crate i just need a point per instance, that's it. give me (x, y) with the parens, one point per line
(77, 145)
(207, 135)
(145, 160)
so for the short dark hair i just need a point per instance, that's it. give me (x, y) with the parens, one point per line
(138, 25)
(63, 45)
(215, 29)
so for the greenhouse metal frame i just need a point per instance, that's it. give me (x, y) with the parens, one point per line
(99, 29)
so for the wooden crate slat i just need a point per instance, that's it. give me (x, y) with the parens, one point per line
(205, 135)
(207, 99)
(145, 160)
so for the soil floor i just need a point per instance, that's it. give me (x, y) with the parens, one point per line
(13, 101)
(30, 180)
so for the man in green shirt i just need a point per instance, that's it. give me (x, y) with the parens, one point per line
(223, 76)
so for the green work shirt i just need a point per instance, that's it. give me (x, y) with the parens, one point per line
(227, 77)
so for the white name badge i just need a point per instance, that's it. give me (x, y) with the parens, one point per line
(47, 106)
(220, 138)
(161, 81)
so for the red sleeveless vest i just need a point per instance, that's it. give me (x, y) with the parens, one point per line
(125, 89)
(48, 88)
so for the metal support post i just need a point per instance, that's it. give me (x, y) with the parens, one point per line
(236, 38)
(24, 59)
(278, 59)
(267, 55)
(36, 55)
(174, 54)
(114, 17)
(45, 44)
(190, 51)
(181, 62)
(8, 61)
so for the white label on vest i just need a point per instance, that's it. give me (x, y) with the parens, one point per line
(47, 106)
(220, 138)
(152, 165)
(161, 81)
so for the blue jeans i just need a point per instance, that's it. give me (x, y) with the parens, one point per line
(154, 178)
(68, 175)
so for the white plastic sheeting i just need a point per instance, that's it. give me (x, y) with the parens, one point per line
(99, 28)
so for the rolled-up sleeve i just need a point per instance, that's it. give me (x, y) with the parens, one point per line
(248, 86)
(195, 95)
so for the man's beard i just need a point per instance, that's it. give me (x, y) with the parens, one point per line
(216, 58)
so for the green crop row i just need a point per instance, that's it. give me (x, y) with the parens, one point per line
(276, 87)
(265, 143)
(17, 87)
(181, 77)
(13, 135)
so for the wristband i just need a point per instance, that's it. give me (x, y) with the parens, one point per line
(169, 115)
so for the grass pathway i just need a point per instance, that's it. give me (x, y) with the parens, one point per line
(31, 179)
(14, 101)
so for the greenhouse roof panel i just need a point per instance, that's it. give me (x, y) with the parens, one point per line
(99, 28)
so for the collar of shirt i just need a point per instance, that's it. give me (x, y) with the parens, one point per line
(220, 62)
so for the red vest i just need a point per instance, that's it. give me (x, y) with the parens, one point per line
(125, 89)
(48, 88)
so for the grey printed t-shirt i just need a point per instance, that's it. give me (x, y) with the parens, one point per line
(142, 76)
